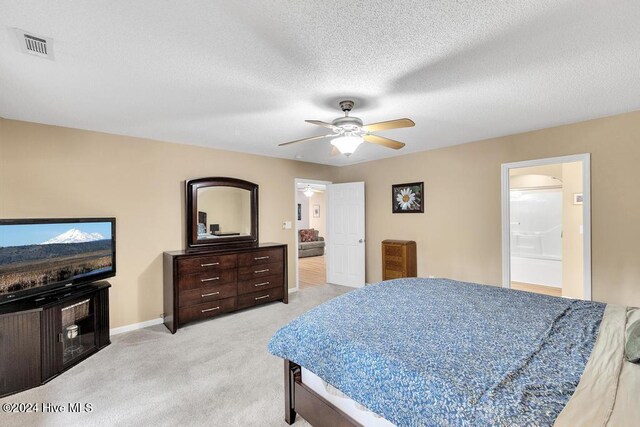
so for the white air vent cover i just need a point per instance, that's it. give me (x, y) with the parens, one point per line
(35, 45)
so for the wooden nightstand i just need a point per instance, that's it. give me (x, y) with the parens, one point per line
(399, 259)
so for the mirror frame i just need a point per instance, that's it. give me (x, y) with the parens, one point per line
(192, 187)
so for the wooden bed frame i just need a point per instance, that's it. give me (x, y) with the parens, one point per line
(300, 399)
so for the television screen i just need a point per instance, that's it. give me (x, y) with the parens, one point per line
(41, 255)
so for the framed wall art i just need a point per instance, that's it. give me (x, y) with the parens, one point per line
(407, 198)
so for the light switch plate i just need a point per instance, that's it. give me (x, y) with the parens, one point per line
(286, 225)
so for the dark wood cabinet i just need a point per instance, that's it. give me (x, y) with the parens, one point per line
(42, 336)
(200, 285)
(19, 347)
(399, 259)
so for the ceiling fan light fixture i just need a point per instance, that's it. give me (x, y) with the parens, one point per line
(347, 144)
(349, 132)
(308, 191)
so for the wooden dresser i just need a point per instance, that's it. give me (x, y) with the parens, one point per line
(200, 285)
(399, 259)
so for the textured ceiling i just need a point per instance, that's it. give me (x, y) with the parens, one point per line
(244, 76)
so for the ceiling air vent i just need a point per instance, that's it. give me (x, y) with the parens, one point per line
(35, 45)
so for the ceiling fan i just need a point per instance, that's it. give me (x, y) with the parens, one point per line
(308, 190)
(349, 132)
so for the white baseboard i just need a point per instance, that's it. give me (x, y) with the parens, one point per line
(292, 290)
(134, 326)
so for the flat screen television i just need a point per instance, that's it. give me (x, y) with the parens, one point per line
(41, 255)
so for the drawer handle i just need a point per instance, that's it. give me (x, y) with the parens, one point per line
(261, 284)
(262, 297)
(210, 309)
(209, 264)
(210, 279)
(212, 293)
(260, 271)
(261, 257)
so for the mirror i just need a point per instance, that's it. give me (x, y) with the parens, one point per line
(221, 212)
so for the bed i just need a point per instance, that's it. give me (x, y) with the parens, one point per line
(427, 352)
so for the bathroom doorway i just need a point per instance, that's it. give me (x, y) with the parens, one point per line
(546, 226)
(311, 233)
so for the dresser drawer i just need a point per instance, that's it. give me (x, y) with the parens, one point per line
(206, 279)
(256, 271)
(393, 250)
(260, 284)
(206, 264)
(393, 274)
(207, 294)
(255, 298)
(206, 310)
(266, 256)
(394, 264)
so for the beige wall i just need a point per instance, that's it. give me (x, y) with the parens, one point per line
(554, 170)
(48, 171)
(572, 238)
(535, 177)
(459, 235)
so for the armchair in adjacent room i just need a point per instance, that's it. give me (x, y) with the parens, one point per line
(310, 243)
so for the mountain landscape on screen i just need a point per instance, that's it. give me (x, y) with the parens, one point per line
(75, 236)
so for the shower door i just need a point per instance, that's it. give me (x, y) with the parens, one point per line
(536, 237)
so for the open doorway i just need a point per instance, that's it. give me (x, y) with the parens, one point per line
(546, 226)
(311, 233)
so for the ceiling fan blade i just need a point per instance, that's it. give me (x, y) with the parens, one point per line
(304, 139)
(380, 140)
(323, 124)
(391, 124)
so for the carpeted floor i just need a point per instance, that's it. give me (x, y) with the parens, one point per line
(214, 373)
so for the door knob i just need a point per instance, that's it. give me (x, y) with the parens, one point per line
(360, 241)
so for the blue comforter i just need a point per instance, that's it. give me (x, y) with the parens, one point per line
(431, 352)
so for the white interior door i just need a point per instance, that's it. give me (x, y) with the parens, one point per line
(345, 235)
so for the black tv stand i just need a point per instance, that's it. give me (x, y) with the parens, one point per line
(44, 335)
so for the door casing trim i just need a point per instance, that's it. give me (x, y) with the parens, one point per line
(586, 214)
